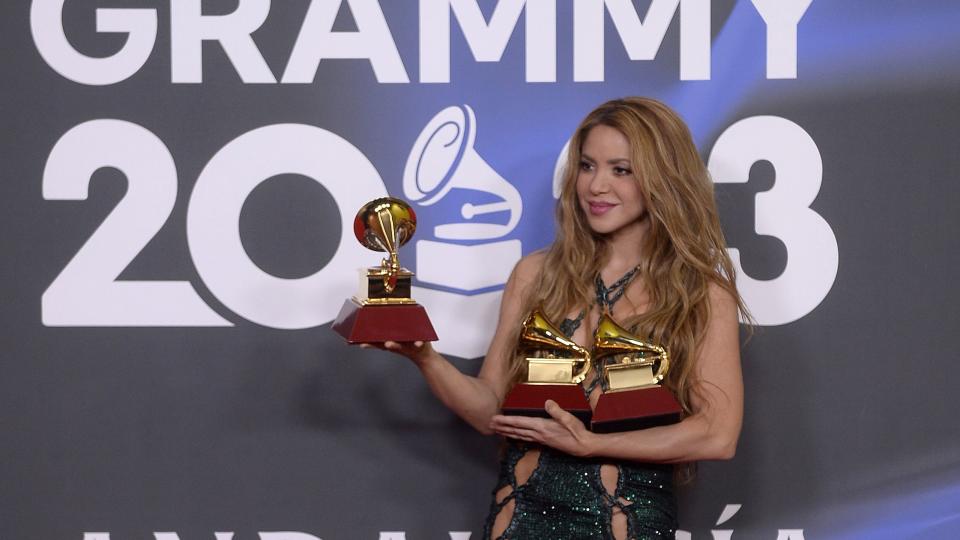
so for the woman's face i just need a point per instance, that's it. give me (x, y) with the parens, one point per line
(608, 192)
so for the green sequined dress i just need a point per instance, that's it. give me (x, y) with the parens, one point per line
(564, 498)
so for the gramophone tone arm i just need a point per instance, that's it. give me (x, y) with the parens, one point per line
(391, 268)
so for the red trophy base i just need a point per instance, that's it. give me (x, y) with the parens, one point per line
(527, 400)
(628, 410)
(379, 323)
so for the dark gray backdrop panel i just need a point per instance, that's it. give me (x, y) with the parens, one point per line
(849, 426)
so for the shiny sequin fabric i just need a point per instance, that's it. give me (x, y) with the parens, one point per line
(564, 498)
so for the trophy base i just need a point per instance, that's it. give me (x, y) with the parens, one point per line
(628, 410)
(379, 323)
(527, 400)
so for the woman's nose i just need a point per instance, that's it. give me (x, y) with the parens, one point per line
(600, 183)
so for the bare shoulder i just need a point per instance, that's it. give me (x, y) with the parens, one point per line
(495, 367)
(523, 276)
(721, 300)
(722, 332)
(528, 267)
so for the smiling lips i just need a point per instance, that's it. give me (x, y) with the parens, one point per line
(599, 208)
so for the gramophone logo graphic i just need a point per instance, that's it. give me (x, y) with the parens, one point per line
(468, 254)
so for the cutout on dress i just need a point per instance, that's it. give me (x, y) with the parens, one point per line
(610, 477)
(505, 499)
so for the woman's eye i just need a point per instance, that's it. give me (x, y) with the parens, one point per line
(586, 166)
(621, 171)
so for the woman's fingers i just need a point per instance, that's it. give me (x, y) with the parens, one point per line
(386, 345)
(557, 412)
(508, 430)
(411, 349)
(522, 434)
(516, 422)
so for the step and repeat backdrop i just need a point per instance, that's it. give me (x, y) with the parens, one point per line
(179, 182)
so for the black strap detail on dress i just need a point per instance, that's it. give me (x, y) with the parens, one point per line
(606, 298)
(569, 326)
(514, 487)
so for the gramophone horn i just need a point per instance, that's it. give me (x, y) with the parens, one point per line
(612, 339)
(538, 333)
(385, 224)
(443, 158)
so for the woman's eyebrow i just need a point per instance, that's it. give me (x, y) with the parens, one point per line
(611, 161)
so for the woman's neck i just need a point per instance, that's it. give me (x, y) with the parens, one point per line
(625, 250)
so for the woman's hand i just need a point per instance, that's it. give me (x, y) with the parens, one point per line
(417, 351)
(562, 430)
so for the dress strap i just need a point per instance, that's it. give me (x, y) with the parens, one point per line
(569, 326)
(606, 298)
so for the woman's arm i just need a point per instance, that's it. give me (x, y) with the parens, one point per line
(477, 399)
(711, 432)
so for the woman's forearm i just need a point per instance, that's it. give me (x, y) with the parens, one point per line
(471, 398)
(698, 437)
(693, 439)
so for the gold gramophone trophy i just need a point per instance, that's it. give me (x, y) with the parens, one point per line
(556, 365)
(382, 310)
(633, 397)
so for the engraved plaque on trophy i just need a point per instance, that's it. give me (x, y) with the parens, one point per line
(382, 309)
(556, 365)
(633, 397)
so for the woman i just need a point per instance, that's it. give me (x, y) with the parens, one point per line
(637, 212)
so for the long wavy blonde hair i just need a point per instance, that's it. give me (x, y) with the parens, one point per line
(684, 249)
